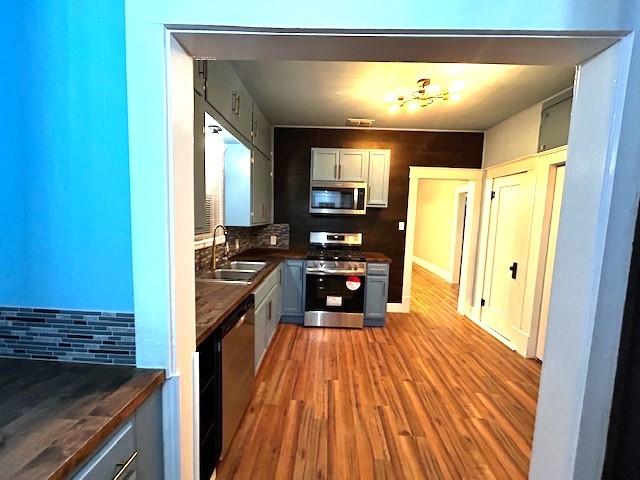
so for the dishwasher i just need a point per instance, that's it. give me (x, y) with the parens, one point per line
(238, 375)
(226, 383)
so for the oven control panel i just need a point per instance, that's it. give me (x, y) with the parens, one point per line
(336, 267)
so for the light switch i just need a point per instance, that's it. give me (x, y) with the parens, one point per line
(400, 226)
(274, 240)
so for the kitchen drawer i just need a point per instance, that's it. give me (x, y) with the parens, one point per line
(267, 284)
(116, 457)
(377, 269)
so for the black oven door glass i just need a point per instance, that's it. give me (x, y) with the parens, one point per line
(335, 293)
(333, 198)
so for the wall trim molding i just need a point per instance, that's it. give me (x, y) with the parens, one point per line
(393, 129)
(403, 307)
(435, 269)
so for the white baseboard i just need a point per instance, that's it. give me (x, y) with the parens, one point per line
(403, 307)
(476, 319)
(436, 270)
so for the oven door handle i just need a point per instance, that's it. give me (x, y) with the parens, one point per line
(346, 273)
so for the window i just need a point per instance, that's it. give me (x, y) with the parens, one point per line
(214, 150)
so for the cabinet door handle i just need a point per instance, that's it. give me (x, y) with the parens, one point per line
(255, 128)
(238, 105)
(233, 102)
(335, 170)
(124, 466)
(339, 171)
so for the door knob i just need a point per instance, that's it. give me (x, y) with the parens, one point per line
(514, 270)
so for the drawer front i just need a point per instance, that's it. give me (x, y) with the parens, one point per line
(267, 284)
(116, 458)
(377, 269)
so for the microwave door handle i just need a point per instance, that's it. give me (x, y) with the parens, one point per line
(355, 198)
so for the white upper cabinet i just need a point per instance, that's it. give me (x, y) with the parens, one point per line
(378, 178)
(355, 165)
(324, 164)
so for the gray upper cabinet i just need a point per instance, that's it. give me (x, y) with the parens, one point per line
(339, 164)
(248, 188)
(378, 178)
(353, 165)
(222, 89)
(262, 189)
(199, 76)
(554, 124)
(261, 131)
(227, 94)
(324, 164)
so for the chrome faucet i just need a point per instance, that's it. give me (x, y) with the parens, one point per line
(225, 254)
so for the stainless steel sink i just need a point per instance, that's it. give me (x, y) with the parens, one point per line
(239, 265)
(228, 275)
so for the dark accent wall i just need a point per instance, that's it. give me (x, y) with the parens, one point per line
(292, 157)
(623, 443)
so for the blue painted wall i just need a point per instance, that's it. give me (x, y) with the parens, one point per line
(64, 196)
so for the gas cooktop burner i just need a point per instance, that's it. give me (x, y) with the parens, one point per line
(342, 254)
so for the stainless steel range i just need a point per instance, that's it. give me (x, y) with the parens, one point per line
(336, 273)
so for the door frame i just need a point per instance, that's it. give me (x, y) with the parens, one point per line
(542, 165)
(459, 233)
(474, 178)
(575, 392)
(544, 245)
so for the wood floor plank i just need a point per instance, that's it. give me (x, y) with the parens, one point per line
(430, 396)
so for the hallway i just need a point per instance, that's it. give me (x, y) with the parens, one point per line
(430, 396)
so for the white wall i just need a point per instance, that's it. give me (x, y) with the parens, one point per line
(513, 138)
(434, 234)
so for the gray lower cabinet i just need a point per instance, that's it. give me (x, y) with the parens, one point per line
(293, 291)
(134, 451)
(376, 292)
(268, 298)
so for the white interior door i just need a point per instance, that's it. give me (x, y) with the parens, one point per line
(551, 257)
(507, 249)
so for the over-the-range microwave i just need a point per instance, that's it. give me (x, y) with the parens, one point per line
(338, 198)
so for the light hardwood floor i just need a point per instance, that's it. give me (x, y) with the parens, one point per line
(430, 396)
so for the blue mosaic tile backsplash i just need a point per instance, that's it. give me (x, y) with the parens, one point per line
(67, 335)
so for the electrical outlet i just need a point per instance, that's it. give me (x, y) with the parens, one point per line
(400, 226)
(237, 244)
(274, 240)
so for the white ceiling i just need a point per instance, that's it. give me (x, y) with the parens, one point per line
(319, 93)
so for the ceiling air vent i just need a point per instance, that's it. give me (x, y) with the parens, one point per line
(360, 122)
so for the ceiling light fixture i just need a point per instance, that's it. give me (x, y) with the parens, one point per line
(426, 94)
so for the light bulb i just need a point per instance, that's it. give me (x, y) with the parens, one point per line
(394, 108)
(455, 97)
(413, 106)
(456, 86)
(391, 97)
(433, 89)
